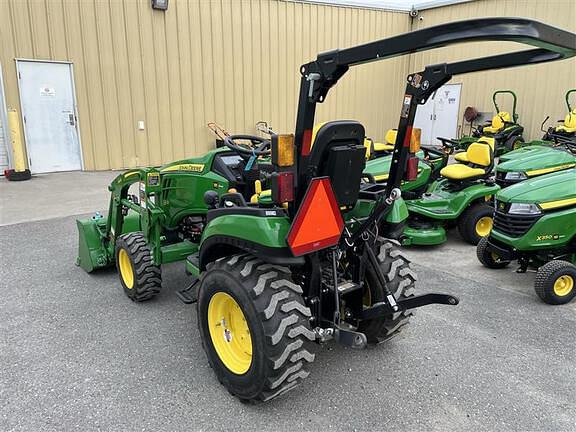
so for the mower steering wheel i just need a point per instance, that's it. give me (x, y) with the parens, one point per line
(448, 144)
(252, 145)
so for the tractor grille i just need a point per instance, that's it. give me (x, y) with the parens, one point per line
(513, 225)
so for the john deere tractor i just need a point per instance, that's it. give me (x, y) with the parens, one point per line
(556, 151)
(316, 260)
(535, 224)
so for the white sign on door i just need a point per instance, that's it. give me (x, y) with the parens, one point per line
(438, 117)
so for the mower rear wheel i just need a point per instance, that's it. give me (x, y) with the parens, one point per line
(254, 327)
(514, 143)
(488, 258)
(476, 222)
(400, 278)
(140, 277)
(556, 282)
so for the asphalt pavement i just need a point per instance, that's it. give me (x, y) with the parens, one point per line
(76, 354)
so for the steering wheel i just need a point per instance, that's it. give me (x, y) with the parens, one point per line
(251, 146)
(448, 144)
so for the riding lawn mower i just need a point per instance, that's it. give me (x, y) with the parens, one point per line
(318, 261)
(503, 132)
(535, 224)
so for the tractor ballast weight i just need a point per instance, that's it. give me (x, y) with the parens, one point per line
(327, 269)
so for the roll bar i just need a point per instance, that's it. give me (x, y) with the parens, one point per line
(319, 76)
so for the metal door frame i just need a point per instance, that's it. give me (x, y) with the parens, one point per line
(74, 103)
(4, 120)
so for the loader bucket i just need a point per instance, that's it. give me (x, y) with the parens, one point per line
(92, 253)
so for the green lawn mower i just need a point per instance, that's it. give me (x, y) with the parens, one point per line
(503, 132)
(460, 197)
(568, 127)
(316, 260)
(535, 224)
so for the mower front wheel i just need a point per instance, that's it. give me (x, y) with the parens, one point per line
(254, 327)
(556, 282)
(140, 277)
(400, 279)
(488, 258)
(476, 222)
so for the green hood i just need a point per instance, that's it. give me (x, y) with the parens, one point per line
(523, 152)
(546, 188)
(537, 159)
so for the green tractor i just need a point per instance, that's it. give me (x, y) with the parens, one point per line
(535, 224)
(316, 260)
(556, 151)
(503, 132)
(460, 197)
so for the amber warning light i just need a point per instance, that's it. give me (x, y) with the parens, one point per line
(318, 223)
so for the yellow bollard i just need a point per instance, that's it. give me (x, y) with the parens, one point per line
(19, 172)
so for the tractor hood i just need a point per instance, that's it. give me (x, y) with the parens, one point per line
(541, 158)
(523, 152)
(546, 188)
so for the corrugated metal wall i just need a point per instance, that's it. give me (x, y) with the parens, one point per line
(540, 89)
(236, 62)
(230, 61)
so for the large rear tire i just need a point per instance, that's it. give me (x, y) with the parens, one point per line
(267, 310)
(487, 258)
(140, 277)
(476, 222)
(555, 282)
(400, 278)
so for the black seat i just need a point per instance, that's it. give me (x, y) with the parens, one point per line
(338, 152)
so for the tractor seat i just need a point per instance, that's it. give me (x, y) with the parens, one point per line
(498, 122)
(481, 159)
(463, 156)
(569, 125)
(390, 139)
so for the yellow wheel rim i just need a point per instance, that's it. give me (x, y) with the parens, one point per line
(563, 285)
(229, 333)
(126, 272)
(484, 226)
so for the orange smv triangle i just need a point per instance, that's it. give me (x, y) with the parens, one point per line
(318, 223)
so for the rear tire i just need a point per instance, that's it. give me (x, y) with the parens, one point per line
(514, 143)
(555, 282)
(487, 258)
(401, 279)
(140, 277)
(277, 321)
(476, 222)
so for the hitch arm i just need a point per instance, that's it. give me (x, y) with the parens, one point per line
(383, 308)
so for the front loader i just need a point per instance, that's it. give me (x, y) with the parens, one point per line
(317, 260)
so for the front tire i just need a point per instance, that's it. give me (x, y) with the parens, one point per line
(487, 258)
(476, 222)
(271, 313)
(401, 279)
(555, 282)
(140, 277)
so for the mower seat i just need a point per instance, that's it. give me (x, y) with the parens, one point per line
(481, 160)
(498, 122)
(463, 156)
(569, 125)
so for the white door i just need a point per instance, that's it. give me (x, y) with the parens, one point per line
(49, 114)
(438, 117)
(4, 157)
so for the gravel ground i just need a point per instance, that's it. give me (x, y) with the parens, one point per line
(76, 354)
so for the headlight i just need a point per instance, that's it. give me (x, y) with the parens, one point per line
(515, 176)
(524, 209)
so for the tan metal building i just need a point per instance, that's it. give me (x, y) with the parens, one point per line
(143, 83)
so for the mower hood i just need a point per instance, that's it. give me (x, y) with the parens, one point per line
(546, 188)
(538, 159)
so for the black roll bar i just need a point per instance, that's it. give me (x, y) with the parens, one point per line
(319, 76)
